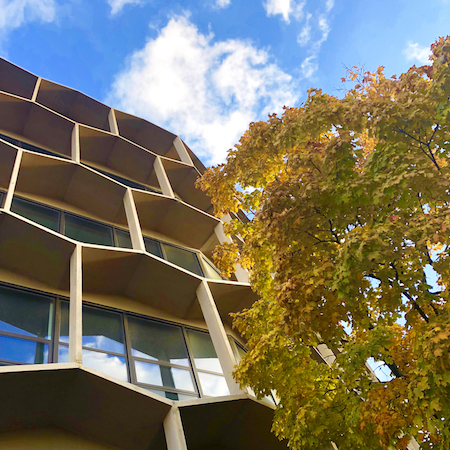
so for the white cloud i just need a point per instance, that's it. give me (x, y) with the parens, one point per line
(118, 5)
(222, 3)
(15, 13)
(310, 64)
(416, 52)
(285, 8)
(206, 91)
(305, 35)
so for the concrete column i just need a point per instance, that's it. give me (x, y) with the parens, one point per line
(113, 122)
(218, 335)
(76, 143)
(133, 221)
(75, 306)
(163, 180)
(13, 180)
(173, 429)
(36, 89)
(241, 274)
(182, 152)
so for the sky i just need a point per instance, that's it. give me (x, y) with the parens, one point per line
(205, 69)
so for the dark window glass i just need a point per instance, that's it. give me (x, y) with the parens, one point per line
(25, 313)
(205, 356)
(183, 258)
(123, 239)
(126, 182)
(157, 342)
(153, 247)
(40, 214)
(102, 330)
(26, 146)
(2, 198)
(64, 327)
(85, 230)
(23, 350)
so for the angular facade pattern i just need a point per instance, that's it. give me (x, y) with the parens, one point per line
(114, 323)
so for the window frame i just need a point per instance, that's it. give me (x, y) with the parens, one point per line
(54, 343)
(50, 342)
(62, 222)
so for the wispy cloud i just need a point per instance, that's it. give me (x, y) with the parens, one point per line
(417, 53)
(305, 35)
(118, 5)
(222, 4)
(205, 90)
(313, 34)
(16, 13)
(285, 8)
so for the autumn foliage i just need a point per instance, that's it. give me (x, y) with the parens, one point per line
(348, 245)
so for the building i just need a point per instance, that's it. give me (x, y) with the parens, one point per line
(114, 324)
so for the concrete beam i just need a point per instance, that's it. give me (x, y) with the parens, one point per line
(113, 122)
(133, 221)
(173, 429)
(75, 306)
(182, 152)
(36, 89)
(163, 180)
(13, 181)
(76, 143)
(218, 336)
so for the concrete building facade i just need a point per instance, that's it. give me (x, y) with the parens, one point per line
(114, 323)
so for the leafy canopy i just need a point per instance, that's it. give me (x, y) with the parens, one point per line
(350, 223)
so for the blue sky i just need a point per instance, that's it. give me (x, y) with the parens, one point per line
(205, 69)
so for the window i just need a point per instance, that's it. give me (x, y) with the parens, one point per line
(126, 182)
(76, 227)
(210, 270)
(2, 198)
(26, 327)
(171, 360)
(207, 363)
(33, 148)
(184, 258)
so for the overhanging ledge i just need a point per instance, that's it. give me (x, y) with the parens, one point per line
(84, 401)
(229, 423)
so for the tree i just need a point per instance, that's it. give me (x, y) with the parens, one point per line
(348, 245)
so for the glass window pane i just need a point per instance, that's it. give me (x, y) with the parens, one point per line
(123, 239)
(110, 364)
(64, 328)
(85, 230)
(183, 258)
(153, 247)
(210, 270)
(157, 341)
(40, 214)
(172, 395)
(24, 351)
(163, 376)
(63, 354)
(2, 197)
(203, 350)
(25, 313)
(102, 330)
(213, 385)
